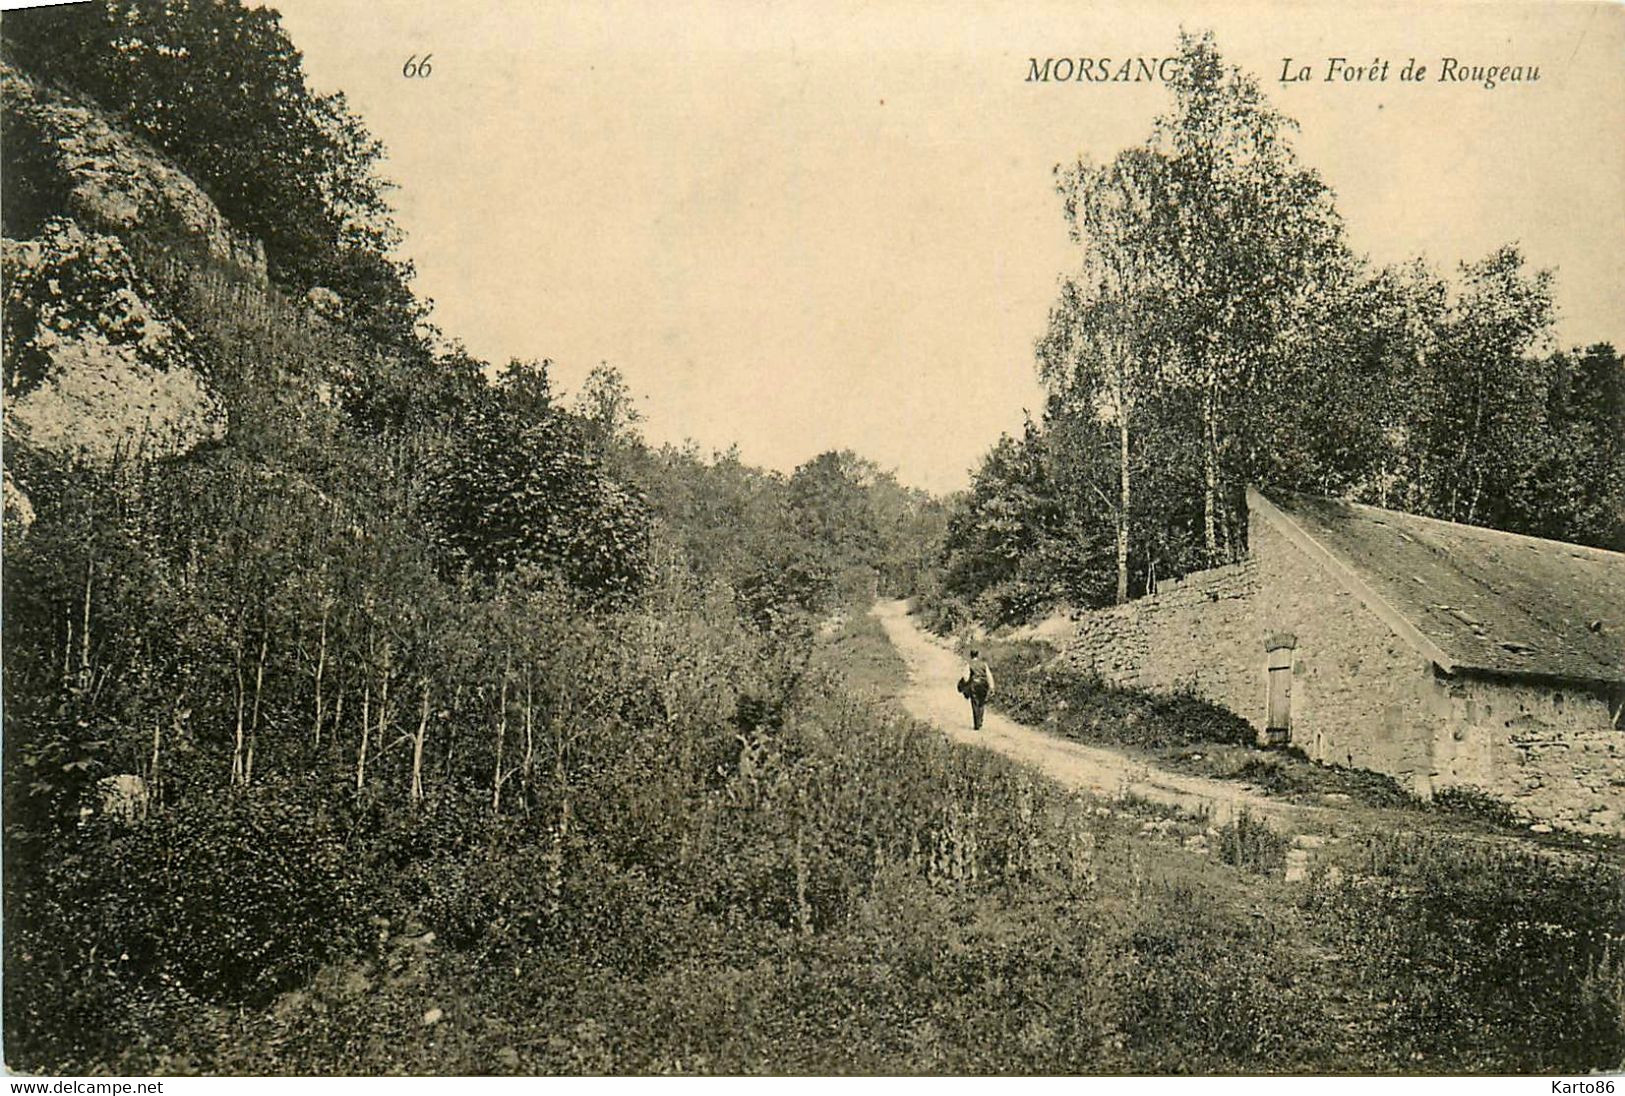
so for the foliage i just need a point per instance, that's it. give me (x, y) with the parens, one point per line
(940, 612)
(1475, 803)
(1217, 331)
(1448, 927)
(504, 493)
(837, 531)
(1248, 245)
(1572, 483)
(219, 88)
(1290, 774)
(1029, 533)
(607, 408)
(1034, 689)
(1251, 845)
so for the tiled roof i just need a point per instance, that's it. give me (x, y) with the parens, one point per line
(1478, 599)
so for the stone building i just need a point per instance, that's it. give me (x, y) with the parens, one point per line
(1441, 654)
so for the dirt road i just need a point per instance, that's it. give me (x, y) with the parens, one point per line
(931, 697)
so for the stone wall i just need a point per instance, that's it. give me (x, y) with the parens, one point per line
(1552, 753)
(1361, 695)
(1198, 633)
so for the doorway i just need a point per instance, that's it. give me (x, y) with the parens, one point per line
(1280, 650)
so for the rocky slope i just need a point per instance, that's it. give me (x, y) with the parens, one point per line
(97, 367)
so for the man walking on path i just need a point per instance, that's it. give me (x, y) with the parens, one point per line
(977, 686)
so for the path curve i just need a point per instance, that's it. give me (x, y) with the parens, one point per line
(931, 697)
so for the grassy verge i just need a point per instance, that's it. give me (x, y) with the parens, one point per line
(843, 891)
(1184, 733)
(854, 646)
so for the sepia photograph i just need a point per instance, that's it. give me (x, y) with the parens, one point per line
(863, 538)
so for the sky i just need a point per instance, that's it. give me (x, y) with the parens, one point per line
(798, 226)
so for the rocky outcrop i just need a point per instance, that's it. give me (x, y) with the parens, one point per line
(98, 403)
(19, 509)
(97, 369)
(323, 304)
(115, 183)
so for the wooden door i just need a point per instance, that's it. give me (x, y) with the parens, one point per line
(1278, 721)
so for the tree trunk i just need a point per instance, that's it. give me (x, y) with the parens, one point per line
(152, 769)
(1210, 471)
(530, 745)
(383, 699)
(1469, 442)
(321, 665)
(1123, 502)
(366, 729)
(502, 733)
(67, 652)
(84, 628)
(417, 745)
(1478, 465)
(254, 722)
(237, 742)
(556, 858)
(338, 719)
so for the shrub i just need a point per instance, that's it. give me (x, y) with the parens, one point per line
(1035, 690)
(1476, 803)
(1011, 602)
(942, 613)
(228, 899)
(508, 492)
(1497, 958)
(232, 898)
(1203, 994)
(1289, 772)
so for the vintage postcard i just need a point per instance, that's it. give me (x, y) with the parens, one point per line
(813, 538)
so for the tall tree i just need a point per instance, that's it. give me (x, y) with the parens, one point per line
(1578, 492)
(1102, 348)
(607, 407)
(1488, 412)
(1252, 242)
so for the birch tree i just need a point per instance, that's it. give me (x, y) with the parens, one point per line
(1100, 352)
(1252, 241)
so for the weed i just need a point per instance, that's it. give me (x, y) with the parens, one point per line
(1251, 845)
(1477, 804)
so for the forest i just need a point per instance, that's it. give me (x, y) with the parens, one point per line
(373, 708)
(1220, 329)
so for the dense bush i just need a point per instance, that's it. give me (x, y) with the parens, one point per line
(230, 900)
(1252, 845)
(508, 491)
(939, 612)
(1289, 774)
(1475, 803)
(1496, 958)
